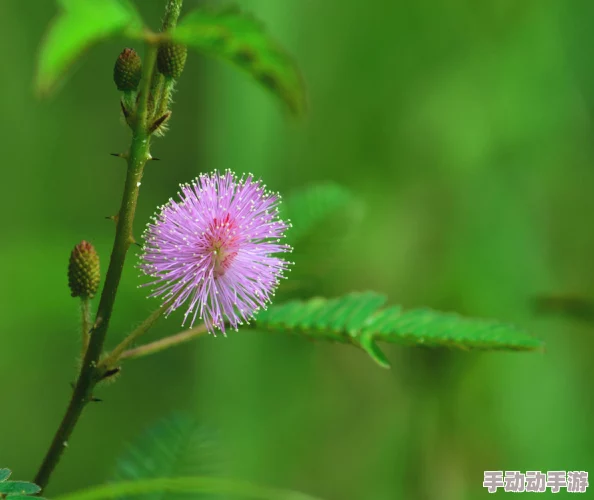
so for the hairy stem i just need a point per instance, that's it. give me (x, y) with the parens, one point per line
(90, 374)
(165, 343)
(172, 12)
(161, 89)
(85, 313)
(112, 359)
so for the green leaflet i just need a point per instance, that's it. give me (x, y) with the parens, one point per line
(80, 24)
(309, 207)
(240, 39)
(4, 474)
(188, 485)
(361, 320)
(18, 488)
(175, 445)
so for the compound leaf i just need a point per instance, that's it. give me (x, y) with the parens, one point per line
(185, 485)
(311, 207)
(175, 445)
(360, 319)
(238, 38)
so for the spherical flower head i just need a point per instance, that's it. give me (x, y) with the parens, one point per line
(216, 250)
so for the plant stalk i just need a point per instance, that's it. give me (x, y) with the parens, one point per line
(172, 13)
(85, 313)
(164, 343)
(161, 88)
(112, 359)
(90, 374)
(139, 154)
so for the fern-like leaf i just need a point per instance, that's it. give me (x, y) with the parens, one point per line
(360, 319)
(315, 205)
(175, 446)
(190, 486)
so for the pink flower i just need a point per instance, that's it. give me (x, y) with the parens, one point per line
(214, 250)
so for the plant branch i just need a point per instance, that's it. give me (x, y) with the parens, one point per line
(114, 356)
(90, 374)
(165, 343)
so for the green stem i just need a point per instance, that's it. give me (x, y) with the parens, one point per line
(161, 89)
(90, 374)
(165, 343)
(85, 312)
(112, 359)
(172, 12)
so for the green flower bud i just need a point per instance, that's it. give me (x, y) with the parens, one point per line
(127, 70)
(171, 59)
(83, 271)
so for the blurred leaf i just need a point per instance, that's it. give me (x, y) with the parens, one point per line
(80, 24)
(570, 306)
(176, 445)
(188, 485)
(23, 497)
(19, 487)
(242, 40)
(359, 319)
(312, 206)
(4, 474)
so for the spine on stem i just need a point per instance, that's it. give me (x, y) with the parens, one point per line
(89, 374)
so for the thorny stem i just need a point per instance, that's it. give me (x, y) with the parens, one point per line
(138, 155)
(165, 343)
(90, 374)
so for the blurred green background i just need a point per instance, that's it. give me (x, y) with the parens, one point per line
(465, 128)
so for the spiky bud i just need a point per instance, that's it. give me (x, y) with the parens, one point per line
(127, 70)
(83, 271)
(171, 59)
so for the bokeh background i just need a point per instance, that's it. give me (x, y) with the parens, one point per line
(464, 129)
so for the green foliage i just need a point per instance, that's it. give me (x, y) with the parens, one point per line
(175, 446)
(361, 320)
(16, 490)
(239, 38)
(569, 306)
(19, 497)
(18, 487)
(227, 34)
(311, 207)
(80, 24)
(187, 485)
